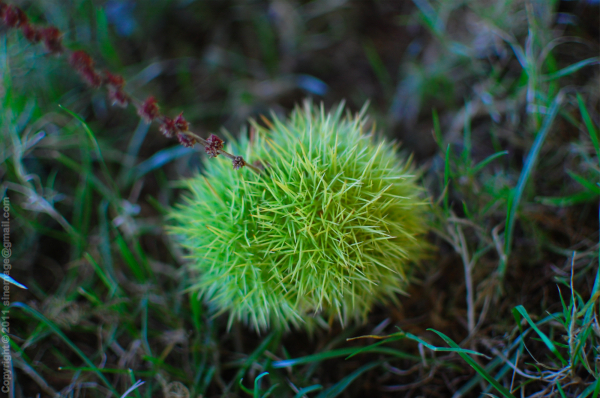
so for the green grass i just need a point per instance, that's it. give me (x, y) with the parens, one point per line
(499, 106)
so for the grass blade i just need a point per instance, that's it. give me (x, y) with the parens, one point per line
(156, 161)
(570, 69)
(67, 341)
(570, 200)
(254, 356)
(482, 372)
(524, 178)
(306, 390)
(341, 385)
(487, 161)
(342, 352)
(11, 280)
(589, 124)
(456, 349)
(590, 186)
(523, 312)
(257, 384)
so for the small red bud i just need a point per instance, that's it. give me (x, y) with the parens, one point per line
(180, 123)
(31, 33)
(91, 77)
(81, 60)
(115, 80)
(118, 97)
(186, 140)
(14, 16)
(149, 110)
(84, 64)
(238, 162)
(214, 144)
(52, 39)
(168, 128)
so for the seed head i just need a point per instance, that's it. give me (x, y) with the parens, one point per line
(52, 39)
(149, 110)
(168, 127)
(214, 145)
(81, 60)
(180, 123)
(14, 16)
(31, 33)
(84, 65)
(117, 81)
(238, 162)
(332, 226)
(186, 140)
(118, 97)
(91, 77)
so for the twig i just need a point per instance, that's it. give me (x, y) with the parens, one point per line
(14, 18)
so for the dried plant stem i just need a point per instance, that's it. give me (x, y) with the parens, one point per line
(14, 18)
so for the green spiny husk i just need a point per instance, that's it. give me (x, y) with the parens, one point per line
(332, 225)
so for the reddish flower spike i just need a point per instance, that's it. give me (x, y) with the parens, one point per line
(80, 60)
(14, 16)
(118, 97)
(238, 162)
(149, 110)
(180, 123)
(52, 39)
(31, 33)
(168, 128)
(91, 77)
(186, 140)
(115, 80)
(3, 8)
(214, 144)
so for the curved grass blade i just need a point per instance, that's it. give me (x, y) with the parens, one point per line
(254, 356)
(157, 160)
(306, 390)
(590, 186)
(523, 312)
(107, 49)
(570, 200)
(244, 388)
(456, 349)
(446, 178)
(401, 335)
(523, 178)
(257, 384)
(11, 280)
(269, 391)
(21, 363)
(571, 69)
(67, 341)
(147, 373)
(93, 140)
(589, 124)
(341, 385)
(487, 161)
(490, 379)
(385, 339)
(132, 388)
(595, 387)
(341, 352)
(106, 278)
